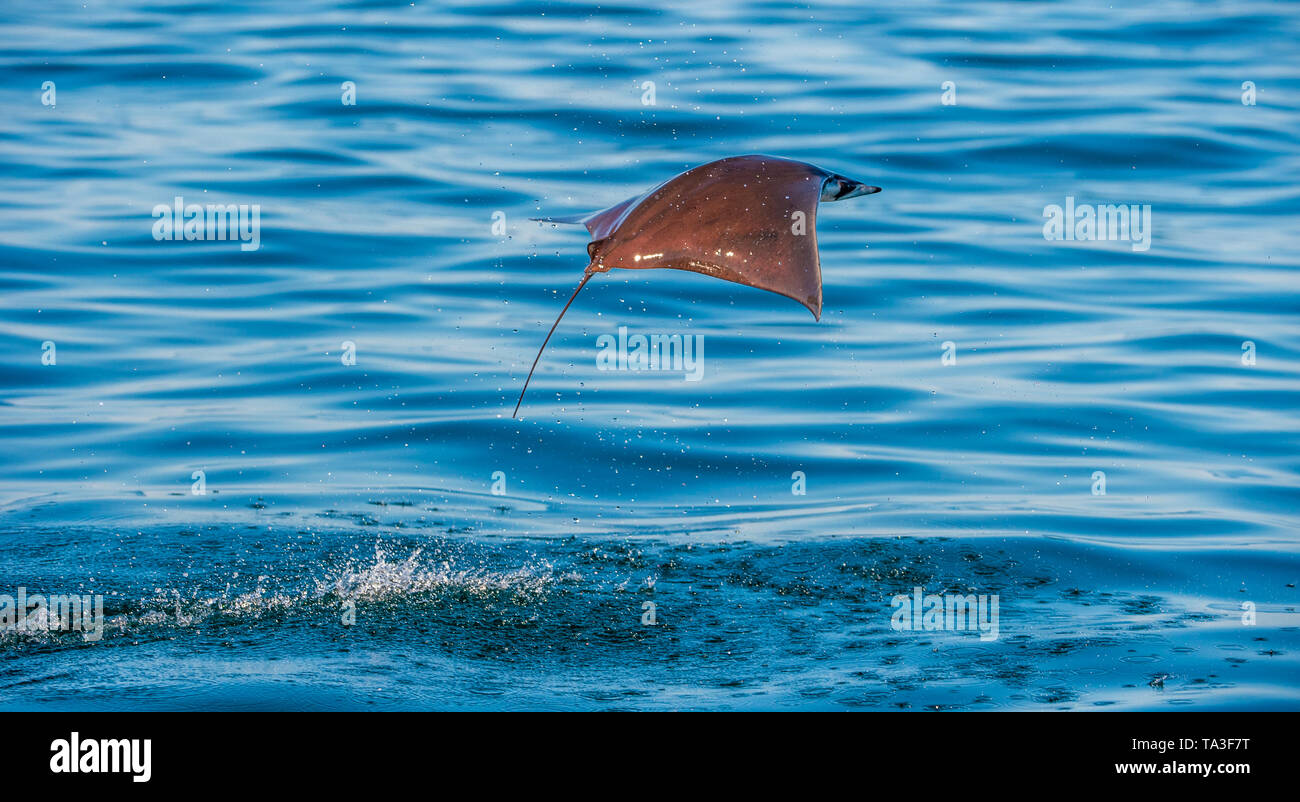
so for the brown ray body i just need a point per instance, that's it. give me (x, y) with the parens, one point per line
(746, 219)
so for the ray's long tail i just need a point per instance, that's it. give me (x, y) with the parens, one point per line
(581, 284)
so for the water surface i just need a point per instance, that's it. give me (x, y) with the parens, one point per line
(369, 486)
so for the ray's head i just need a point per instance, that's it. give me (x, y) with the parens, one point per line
(837, 187)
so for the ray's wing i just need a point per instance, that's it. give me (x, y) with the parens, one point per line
(601, 224)
(751, 220)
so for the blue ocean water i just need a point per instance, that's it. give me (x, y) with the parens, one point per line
(292, 472)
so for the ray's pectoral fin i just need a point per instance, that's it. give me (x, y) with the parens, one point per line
(564, 219)
(600, 224)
